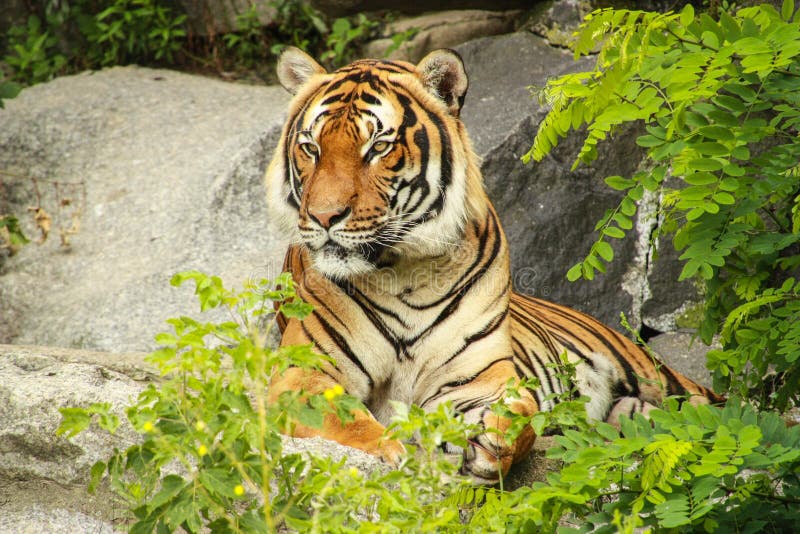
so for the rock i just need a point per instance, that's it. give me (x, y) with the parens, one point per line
(444, 29)
(43, 477)
(559, 20)
(172, 171)
(34, 384)
(210, 17)
(687, 355)
(35, 520)
(547, 210)
(338, 8)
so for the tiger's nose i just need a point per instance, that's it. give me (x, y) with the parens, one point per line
(329, 217)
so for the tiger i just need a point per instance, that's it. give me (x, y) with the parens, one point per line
(396, 245)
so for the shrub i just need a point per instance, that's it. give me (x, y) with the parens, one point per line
(211, 455)
(211, 451)
(719, 101)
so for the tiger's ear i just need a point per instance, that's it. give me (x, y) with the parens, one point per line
(295, 68)
(442, 73)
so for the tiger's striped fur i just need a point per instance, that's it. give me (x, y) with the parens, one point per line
(399, 250)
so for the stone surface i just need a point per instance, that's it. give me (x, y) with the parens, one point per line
(36, 520)
(43, 476)
(338, 8)
(682, 352)
(172, 166)
(209, 17)
(557, 21)
(547, 210)
(444, 29)
(34, 384)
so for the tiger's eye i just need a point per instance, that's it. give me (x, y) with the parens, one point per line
(310, 149)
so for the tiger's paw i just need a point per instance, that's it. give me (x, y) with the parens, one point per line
(487, 459)
(391, 451)
(387, 449)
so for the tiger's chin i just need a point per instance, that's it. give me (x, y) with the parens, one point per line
(337, 263)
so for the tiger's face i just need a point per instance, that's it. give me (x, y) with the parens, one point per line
(374, 164)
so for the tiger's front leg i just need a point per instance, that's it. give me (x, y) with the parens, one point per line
(490, 455)
(364, 432)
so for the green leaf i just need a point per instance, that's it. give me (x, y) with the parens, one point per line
(575, 272)
(787, 10)
(171, 486)
(218, 480)
(687, 15)
(612, 231)
(97, 472)
(705, 164)
(296, 309)
(73, 422)
(649, 141)
(619, 183)
(724, 198)
(604, 250)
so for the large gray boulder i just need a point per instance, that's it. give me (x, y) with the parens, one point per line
(442, 29)
(172, 166)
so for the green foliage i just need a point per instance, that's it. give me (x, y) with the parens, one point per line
(34, 53)
(248, 41)
(718, 99)
(135, 30)
(64, 37)
(8, 90)
(694, 468)
(211, 453)
(343, 36)
(11, 235)
(69, 36)
(300, 25)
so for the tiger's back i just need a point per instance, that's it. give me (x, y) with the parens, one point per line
(618, 376)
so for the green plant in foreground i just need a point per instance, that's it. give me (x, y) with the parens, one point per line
(211, 454)
(720, 102)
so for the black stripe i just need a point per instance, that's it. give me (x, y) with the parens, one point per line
(490, 327)
(364, 303)
(548, 371)
(460, 382)
(343, 346)
(674, 387)
(466, 280)
(331, 100)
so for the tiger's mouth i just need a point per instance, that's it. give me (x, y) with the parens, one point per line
(339, 262)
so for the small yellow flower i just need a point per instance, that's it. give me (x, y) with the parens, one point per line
(354, 472)
(200, 426)
(148, 426)
(202, 450)
(332, 393)
(238, 490)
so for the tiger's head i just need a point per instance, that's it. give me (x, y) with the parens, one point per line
(374, 164)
